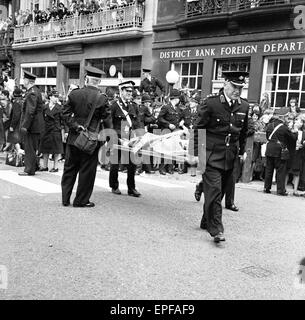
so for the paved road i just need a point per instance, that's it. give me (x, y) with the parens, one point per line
(147, 248)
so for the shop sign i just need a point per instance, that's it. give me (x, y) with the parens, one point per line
(276, 47)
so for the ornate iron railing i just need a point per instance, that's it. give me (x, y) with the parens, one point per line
(206, 7)
(6, 38)
(130, 16)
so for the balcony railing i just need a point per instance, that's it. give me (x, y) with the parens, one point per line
(211, 7)
(6, 38)
(106, 21)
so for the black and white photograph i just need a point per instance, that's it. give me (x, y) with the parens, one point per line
(152, 151)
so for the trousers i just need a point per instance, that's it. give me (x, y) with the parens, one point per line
(215, 182)
(114, 171)
(31, 145)
(79, 163)
(280, 167)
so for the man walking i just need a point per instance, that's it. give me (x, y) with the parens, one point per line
(225, 119)
(32, 124)
(76, 112)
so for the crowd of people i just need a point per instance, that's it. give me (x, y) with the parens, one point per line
(292, 169)
(59, 11)
(174, 112)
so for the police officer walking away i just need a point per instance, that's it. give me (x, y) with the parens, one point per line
(76, 112)
(32, 123)
(125, 119)
(225, 119)
(150, 84)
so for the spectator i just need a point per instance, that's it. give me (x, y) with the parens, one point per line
(51, 141)
(298, 157)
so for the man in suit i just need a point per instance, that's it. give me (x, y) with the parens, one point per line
(76, 112)
(125, 119)
(150, 84)
(224, 120)
(32, 123)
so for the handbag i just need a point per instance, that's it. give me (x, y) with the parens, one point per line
(87, 141)
(14, 159)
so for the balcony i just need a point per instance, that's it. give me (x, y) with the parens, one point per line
(6, 41)
(230, 13)
(117, 23)
(214, 7)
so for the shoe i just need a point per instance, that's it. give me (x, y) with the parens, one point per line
(43, 169)
(197, 193)
(162, 172)
(181, 172)
(171, 172)
(150, 172)
(282, 193)
(25, 174)
(232, 207)
(116, 191)
(219, 237)
(203, 226)
(134, 193)
(66, 204)
(87, 205)
(267, 191)
(54, 170)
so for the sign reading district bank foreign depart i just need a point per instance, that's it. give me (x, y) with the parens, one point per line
(266, 48)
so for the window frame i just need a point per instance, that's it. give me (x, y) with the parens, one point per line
(298, 93)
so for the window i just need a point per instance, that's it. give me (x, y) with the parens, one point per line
(129, 67)
(191, 74)
(45, 72)
(283, 79)
(231, 65)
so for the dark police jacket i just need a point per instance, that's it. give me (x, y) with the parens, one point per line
(32, 111)
(151, 86)
(16, 113)
(282, 138)
(226, 131)
(169, 115)
(147, 119)
(77, 109)
(119, 119)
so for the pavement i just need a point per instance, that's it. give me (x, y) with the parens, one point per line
(149, 248)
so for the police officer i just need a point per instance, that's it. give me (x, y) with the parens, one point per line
(32, 123)
(125, 119)
(76, 112)
(169, 119)
(224, 118)
(150, 84)
(149, 122)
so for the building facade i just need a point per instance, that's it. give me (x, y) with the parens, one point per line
(117, 40)
(202, 38)
(7, 8)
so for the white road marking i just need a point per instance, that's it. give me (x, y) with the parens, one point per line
(37, 184)
(32, 183)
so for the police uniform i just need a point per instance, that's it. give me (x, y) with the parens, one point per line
(169, 115)
(75, 112)
(125, 119)
(32, 126)
(150, 86)
(226, 132)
